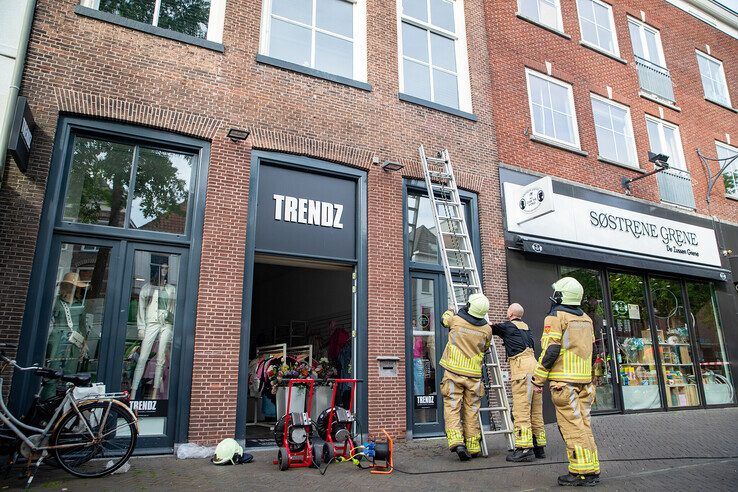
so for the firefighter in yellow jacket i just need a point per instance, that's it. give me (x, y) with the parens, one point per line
(566, 361)
(469, 337)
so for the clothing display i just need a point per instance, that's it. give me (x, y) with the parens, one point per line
(155, 319)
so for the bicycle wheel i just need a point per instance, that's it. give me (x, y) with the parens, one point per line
(96, 441)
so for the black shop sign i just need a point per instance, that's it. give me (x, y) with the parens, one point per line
(149, 408)
(425, 401)
(305, 213)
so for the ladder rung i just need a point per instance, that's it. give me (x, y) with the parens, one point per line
(490, 364)
(493, 409)
(453, 250)
(503, 431)
(457, 234)
(496, 386)
(438, 160)
(455, 219)
(439, 175)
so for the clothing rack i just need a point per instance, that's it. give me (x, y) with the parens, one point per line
(306, 350)
(276, 350)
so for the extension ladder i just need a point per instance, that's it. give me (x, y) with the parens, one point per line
(462, 280)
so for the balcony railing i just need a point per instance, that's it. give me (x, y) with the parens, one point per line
(675, 186)
(655, 79)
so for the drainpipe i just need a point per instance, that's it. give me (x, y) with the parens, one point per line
(15, 82)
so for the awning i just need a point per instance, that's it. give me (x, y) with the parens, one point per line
(562, 249)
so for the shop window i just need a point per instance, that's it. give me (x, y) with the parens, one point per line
(433, 56)
(713, 79)
(614, 130)
(423, 315)
(325, 35)
(598, 25)
(711, 356)
(552, 109)
(422, 231)
(100, 180)
(198, 18)
(730, 175)
(675, 347)
(546, 12)
(77, 312)
(633, 333)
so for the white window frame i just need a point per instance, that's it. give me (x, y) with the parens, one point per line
(215, 21)
(359, 39)
(462, 56)
(570, 90)
(722, 73)
(611, 16)
(642, 28)
(682, 164)
(559, 18)
(629, 128)
(733, 169)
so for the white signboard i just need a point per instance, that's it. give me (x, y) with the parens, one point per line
(611, 228)
(536, 199)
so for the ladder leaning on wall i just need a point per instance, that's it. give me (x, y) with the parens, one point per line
(462, 280)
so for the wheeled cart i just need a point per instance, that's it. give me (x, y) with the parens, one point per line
(293, 432)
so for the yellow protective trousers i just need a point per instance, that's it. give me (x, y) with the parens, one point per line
(573, 402)
(527, 408)
(462, 397)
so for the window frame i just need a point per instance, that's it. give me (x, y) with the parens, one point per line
(629, 120)
(642, 28)
(721, 68)
(662, 141)
(570, 90)
(613, 30)
(359, 40)
(216, 19)
(460, 49)
(559, 27)
(733, 167)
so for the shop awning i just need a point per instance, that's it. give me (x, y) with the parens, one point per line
(562, 249)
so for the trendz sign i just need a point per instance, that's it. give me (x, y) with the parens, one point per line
(610, 228)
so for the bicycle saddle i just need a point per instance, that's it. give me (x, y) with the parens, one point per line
(82, 380)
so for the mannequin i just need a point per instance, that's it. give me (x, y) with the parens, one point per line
(155, 318)
(67, 342)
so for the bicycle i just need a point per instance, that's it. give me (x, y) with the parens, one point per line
(89, 438)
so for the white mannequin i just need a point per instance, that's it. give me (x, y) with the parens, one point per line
(154, 320)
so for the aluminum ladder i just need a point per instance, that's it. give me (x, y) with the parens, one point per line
(462, 280)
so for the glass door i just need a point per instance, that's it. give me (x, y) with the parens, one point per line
(636, 359)
(427, 340)
(675, 342)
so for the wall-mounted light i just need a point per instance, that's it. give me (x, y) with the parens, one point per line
(390, 166)
(660, 164)
(236, 134)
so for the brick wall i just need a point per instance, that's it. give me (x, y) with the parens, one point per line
(84, 66)
(515, 44)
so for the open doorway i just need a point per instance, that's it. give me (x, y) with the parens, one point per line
(301, 326)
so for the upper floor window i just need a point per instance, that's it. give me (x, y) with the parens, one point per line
(646, 43)
(664, 139)
(552, 109)
(730, 175)
(598, 25)
(713, 79)
(614, 131)
(546, 12)
(199, 18)
(433, 56)
(325, 35)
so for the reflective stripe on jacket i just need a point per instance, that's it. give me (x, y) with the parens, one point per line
(466, 345)
(575, 334)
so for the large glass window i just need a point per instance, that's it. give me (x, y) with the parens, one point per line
(546, 12)
(99, 183)
(199, 18)
(711, 356)
(646, 43)
(664, 139)
(635, 352)
(327, 35)
(433, 57)
(677, 361)
(75, 326)
(424, 320)
(730, 175)
(552, 109)
(598, 25)
(614, 130)
(422, 231)
(713, 79)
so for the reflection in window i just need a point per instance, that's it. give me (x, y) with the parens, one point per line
(186, 16)
(729, 156)
(713, 79)
(615, 140)
(97, 191)
(546, 12)
(711, 356)
(422, 232)
(75, 326)
(552, 109)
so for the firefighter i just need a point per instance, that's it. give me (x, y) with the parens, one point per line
(469, 337)
(566, 362)
(530, 434)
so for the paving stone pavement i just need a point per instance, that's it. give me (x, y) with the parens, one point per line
(684, 450)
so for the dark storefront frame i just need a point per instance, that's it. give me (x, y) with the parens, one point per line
(53, 230)
(306, 164)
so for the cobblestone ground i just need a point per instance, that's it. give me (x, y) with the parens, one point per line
(675, 451)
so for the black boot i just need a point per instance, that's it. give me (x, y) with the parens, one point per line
(462, 452)
(521, 455)
(575, 480)
(539, 451)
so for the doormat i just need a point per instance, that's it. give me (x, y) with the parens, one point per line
(259, 443)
